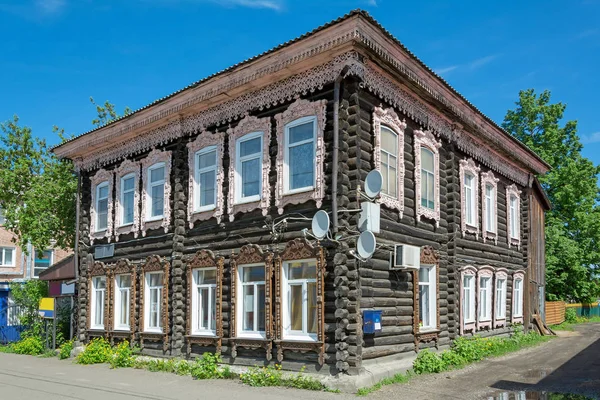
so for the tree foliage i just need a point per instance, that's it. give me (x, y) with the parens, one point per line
(106, 113)
(27, 296)
(573, 224)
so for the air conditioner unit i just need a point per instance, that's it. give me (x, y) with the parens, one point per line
(406, 257)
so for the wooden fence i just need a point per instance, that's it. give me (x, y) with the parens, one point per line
(555, 312)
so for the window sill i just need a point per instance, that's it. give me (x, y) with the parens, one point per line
(299, 338)
(485, 320)
(209, 334)
(255, 336)
(122, 329)
(247, 200)
(300, 190)
(154, 219)
(428, 330)
(153, 331)
(100, 231)
(97, 328)
(204, 209)
(125, 225)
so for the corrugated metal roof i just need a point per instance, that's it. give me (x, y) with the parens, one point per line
(352, 13)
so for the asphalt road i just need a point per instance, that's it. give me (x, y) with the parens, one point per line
(566, 364)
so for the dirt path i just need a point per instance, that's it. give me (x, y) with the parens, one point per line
(568, 364)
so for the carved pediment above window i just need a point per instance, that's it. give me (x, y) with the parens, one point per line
(251, 254)
(123, 266)
(429, 256)
(299, 249)
(155, 263)
(98, 269)
(203, 259)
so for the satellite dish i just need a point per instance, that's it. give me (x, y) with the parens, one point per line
(366, 244)
(373, 183)
(320, 224)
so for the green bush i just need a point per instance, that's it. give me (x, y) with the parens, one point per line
(65, 350)
(571, 316)
(301, 381)
(429, 362)
(452, 359)
(122, 356)
(263, 376)
(31, 345)
(97, 351)
(7, 349)
(208, 367)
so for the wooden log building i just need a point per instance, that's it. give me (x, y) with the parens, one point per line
(193, 211)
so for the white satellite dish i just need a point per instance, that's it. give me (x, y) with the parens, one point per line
(320, 224)
(373, 183)
(365, 245)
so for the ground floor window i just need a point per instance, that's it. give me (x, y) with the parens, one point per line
(13, 312)
(122, 299)
(500, 298)
(485, 298)
(427, 297)
(468, 295)
(153, 304)
(98, 300)
(204, 300)
(300, 299)
(251, 300)
(518, 297)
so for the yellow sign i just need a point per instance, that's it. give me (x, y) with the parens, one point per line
(46, 309)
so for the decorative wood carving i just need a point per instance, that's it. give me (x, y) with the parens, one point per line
(485, 271)
(156, 156)
(98, 269)
(517, 275)
(245, 126)
(469, 167)
(127, 167)
(428, 257)
(512, 190)
(252, 254)
(298, 109)
(155, 264)
(205, 139)
(464, 325)
(205, 259)
(388, 117)
(98, 178)
(427, 140)
(488, 178)
(501, 273)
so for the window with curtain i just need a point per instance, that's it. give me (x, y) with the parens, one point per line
(204, 300)
(427, 297)
(490, 209)
(485, 297)
(153, 302)
(252, 301)
(98, 299)
(7, 256)
(389, 161)
(500, 298)
(127, 199)
(156, 191)
(469, 298)
(206, 179)
(427, 178)
(299, 157)
(514, 225)
(102, 207)
(470, 205)
(42, 261)
(248, 168)
(518, 298)
(300, 297)
(122, 306)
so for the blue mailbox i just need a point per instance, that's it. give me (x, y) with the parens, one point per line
(371, 321)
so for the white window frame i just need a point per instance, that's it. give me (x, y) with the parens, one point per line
(122, 199)
(3, 251)
(240, 304)
(426, 139)
(501, 284)
(96, 205)
(286, 168)
(469, 197)
(150, 185)
(119, 297)
(238, 167)
(288, 333)
(517, 309)
(472, 298)
(432, 289)
(13, 312)
(490, 207)
(198, 171)
(513, 213)
(147, 289)
(485, 291)
(489, 229)
(470, 205)
(94, 300)
(197, 311)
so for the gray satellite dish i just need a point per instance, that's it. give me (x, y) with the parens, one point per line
(373, 183)
(320, 224)
(365, 245)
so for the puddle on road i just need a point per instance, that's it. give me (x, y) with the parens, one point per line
(527, 395)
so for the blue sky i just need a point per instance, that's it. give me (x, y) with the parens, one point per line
(55, 54)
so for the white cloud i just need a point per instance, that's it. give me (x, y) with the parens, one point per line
(445, 70)
(591, 138)
(371, 3)
(480, 62)
(50, 6)
(276, 5)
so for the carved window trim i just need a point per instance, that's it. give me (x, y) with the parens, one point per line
(485, 272)
(301, 109)
(99, 178)
(429, 257)
(98, 269)
(155, 157)
(488, 178)
(501, 274)
(123, 267)
(512, 190)
(248, 255)
(389, 119)
(155, 264)
(126, 168)
(468, 326)
(204, 140)
(300, 249)
(518, 319)
(427, 140)
(247, 126)
(205, 259)
(469, 167)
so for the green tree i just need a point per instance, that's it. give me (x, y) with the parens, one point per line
(573, 224)
(27, 297)
(106, 113)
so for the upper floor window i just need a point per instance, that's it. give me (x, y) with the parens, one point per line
(514, 211)
(127, 199)
(42, 261)
(206, 179)
(299, 158)
(427, 175)
(156, 191)
(300, 299)
(102, 206)
(389, 161)
(469, 176)
(248, 168)
(470, 199)
(7, 256)
(122, 301)
(251, 301)
(427, 178)
(490, 208)
(153, 318)
(427, 297)
(98, 300)
(514, 230)
(101, 210)
(204, 301)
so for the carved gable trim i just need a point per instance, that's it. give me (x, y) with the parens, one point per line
(467, 326)
(488, 178)
(298, 109)
(245, 126)
(425, 139)
(205, 139)
(156, 156)
(512, 190)
(388, 118)
(487, 272)
(469, 167)
(100, 177)
(127, 167)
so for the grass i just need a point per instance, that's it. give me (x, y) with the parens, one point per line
(570, 326)
(396, 379)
